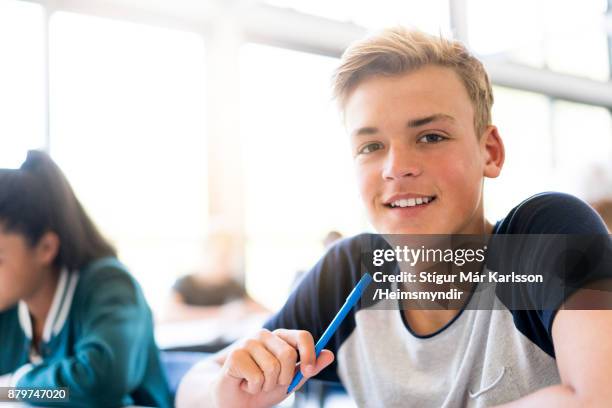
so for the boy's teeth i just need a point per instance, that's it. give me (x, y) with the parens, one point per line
(411, 202)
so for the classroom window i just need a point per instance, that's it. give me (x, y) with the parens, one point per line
(127, 126)
(567, 37)
(550, 145)
(22, 81)
(298, 167)
(583, 148)
(523, 120)
(431, 16)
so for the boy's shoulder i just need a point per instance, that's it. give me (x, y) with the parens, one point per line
(345, 262)
(552, 213)
(556, 227)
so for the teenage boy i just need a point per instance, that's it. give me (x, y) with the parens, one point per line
(417, 109)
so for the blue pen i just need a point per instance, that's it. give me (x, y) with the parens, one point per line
(350, 301)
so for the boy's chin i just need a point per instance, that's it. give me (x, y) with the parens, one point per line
(407, 230)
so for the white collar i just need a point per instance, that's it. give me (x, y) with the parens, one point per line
(58, 312)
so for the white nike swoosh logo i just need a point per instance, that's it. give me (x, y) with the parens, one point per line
(489, 387)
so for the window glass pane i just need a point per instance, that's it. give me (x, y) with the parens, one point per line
(298, 167)
(127, 127)
(560, 146)
(575, 41)
(431, 15)
(22, 70)
(583, 145)
(523, 121)
(568, 37)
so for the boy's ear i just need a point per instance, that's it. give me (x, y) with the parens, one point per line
(47, 248)
(493, 152)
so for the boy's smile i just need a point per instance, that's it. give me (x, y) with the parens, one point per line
(419, 162)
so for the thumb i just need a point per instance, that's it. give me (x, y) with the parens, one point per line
(325, 358)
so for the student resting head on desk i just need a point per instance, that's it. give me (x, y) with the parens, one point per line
(417, 109)
(70, 314)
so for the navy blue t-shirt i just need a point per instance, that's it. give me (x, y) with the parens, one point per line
(319, 296)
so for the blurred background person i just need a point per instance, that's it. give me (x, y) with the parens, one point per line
(214, 290)
(604, 208)
(330, 239)
(597, 189)
(71, 316)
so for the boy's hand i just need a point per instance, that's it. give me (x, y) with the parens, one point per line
(258, 373)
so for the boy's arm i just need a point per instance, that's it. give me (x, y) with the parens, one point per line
(257, 371)
(252, 373)
(197, 385)
(583, 348)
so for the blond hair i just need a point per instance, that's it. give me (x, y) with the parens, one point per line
(400, 50)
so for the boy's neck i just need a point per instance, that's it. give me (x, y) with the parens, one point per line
(425, 321)
(40, 301)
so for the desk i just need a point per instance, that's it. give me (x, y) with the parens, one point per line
(184, 343)
(206, 335)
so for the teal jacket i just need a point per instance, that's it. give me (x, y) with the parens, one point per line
(97, 341)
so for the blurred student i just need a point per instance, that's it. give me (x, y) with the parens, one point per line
(330, 239)
(213, 291)
(70, 313)
(417, 109)
(604, 208)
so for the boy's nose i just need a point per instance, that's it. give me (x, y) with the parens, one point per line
(400, 162)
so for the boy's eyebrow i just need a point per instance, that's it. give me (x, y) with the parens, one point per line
(364, 131)
(428, 119)
(412, 123)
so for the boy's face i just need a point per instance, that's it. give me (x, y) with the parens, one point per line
(20, 266)
(419, 162)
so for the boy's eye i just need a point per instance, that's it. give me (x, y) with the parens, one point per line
(432, 138)
(370, 148)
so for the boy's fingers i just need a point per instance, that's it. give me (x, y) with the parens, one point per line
(241, 366)
(304, 343)
(267, 362)
(284, 352)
